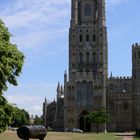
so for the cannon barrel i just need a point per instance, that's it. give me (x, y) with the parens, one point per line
(36, 132)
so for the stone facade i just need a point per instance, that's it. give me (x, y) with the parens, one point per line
(53, 113)
(85, 90)
(87, 86)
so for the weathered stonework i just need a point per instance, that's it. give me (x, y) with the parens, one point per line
(87, 86)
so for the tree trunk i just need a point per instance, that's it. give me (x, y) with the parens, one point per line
(97, 128)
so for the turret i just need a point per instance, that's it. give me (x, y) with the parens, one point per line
(45, 112)
(136, 82)
(65, 77)
(58, 90)
(101, 12)
(136, 61)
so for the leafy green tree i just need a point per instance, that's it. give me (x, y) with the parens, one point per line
(11, 62)
(98, 117)
(6, 114)
(38, 120)
(11, 59)
(20, 117)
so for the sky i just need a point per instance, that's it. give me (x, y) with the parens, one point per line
(40, 29)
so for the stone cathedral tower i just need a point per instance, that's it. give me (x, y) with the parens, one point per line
(85, 90)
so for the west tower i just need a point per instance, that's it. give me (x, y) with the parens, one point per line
(85, 90)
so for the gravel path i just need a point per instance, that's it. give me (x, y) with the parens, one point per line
(128, 138)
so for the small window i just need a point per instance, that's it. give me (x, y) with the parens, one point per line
(87, 38)
(94, 57)
(125, 106)
(139, 54)
(94, 38)
(87, 57)
(81, 38)
(73, 54)
(87, 10)
(81, 58)
(111, 86)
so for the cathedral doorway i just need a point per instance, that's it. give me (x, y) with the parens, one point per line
(84, 123)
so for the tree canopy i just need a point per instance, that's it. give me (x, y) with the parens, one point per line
(38, 120)
(6, 113)
(11, 59)
(20, 117)
(98, 117)
(11, 62)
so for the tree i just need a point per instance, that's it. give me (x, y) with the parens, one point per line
(20, 117)
(11, 62)
(6, 113)
(11, 59)
(38, 120)
(98, 117)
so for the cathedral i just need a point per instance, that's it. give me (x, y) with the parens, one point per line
(87, 86)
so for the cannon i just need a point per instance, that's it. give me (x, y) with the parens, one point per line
(35, 132)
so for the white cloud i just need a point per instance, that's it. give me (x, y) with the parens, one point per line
(35, 23)
(32, 96)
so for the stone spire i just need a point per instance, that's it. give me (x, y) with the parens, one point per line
(58, 90)
(65, 77)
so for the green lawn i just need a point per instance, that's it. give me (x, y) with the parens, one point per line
(136, 139)
(10, 135)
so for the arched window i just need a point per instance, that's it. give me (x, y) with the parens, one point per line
(111, 86)
(94, 38)
(94, 57)
(81, 58)
(87, 10)
(125, 105)
(87, 58)
(87, 38)
(80, 38)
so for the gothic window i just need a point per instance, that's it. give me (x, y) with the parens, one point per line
(87, 57)
(94, 38)
(81, 58)
(111, 86)
(80, 38)
(124, 87)
(87, 38)
(125, 105)
(79, 12)
(139, 54)
(87, 10)
(138, 74)
(111, 105)
(94, 57)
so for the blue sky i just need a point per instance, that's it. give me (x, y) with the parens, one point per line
(40, 29)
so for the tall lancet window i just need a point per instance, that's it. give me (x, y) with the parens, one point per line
(87, 10)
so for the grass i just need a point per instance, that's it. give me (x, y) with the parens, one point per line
(11, 135)
(136, 139)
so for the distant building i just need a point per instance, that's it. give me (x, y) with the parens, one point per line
(31, 119)
(87, 87)
(54, 111)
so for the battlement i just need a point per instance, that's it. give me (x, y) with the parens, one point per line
(120, 78)
(136, 45)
